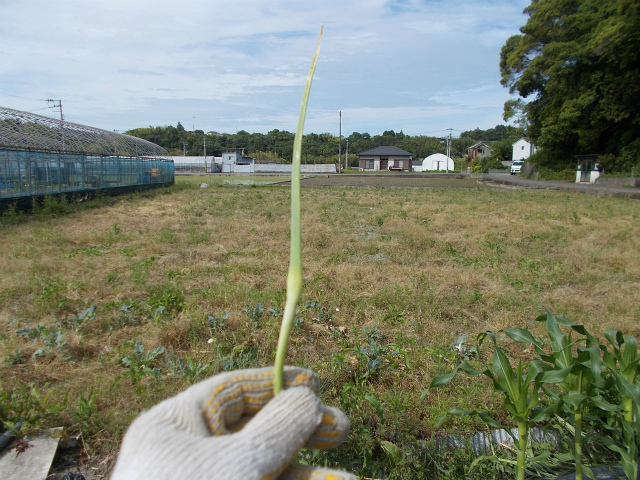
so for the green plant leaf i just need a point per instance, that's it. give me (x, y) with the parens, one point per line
(581, 329)
(441, 380)
(541, 414)
(535, 370)
(627, 389)
(615, 337)
(595, 363)
(393, 452)
(602, 404)
(504, 372)
(556, 335)
(574, 399)
(521, 335)
(439, 421)
(484, 415)
(554, 376)
(375, 403)
(490, 458)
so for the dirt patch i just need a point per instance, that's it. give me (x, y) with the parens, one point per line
(398, 180)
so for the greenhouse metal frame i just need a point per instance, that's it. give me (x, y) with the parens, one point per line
(42, 156)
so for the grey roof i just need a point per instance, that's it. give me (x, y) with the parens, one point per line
(386, 151)
(479, 144)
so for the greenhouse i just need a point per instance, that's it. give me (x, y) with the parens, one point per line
(42, 156)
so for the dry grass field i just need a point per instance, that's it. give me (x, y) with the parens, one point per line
(107, 309)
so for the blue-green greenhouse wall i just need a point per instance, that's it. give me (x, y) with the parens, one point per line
(34, 174)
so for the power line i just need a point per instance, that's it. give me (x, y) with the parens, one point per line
(438, 131)
(23, 98)
(36, 100)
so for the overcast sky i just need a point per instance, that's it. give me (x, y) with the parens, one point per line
(420, 66)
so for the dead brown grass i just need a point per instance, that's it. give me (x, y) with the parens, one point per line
(423, 265)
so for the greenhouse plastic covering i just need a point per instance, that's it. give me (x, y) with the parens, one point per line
(42, 156)
(27, 131)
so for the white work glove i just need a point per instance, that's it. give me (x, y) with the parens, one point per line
(231, 427)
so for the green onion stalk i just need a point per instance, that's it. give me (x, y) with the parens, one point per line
(294, 277)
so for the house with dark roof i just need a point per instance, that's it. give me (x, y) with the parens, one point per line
(385, 158)
(479, 150)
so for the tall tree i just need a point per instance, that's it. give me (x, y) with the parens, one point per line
(576, 69)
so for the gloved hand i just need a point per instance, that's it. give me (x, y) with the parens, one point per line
(230, 427)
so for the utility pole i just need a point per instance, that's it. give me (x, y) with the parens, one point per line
(340, 144)
(448, 148)
(346, 158)
(204, 146)
(58, 104)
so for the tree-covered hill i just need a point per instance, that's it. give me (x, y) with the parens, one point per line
(277, 145)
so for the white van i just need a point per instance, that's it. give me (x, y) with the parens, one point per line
(516, 166)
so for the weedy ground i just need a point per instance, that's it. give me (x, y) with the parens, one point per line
(108, 308)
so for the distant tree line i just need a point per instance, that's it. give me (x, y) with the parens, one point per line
(575, 67)
(277, 145)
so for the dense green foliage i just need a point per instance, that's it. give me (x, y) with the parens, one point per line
(587, 385)
(575, 67)
(277, 145)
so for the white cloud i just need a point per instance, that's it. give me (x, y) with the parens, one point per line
(230, 64)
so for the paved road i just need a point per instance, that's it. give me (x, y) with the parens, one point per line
(587, 189)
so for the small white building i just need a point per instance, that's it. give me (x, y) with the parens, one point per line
(235, 162)
(523, 149)
(436, 162)
(589, 169)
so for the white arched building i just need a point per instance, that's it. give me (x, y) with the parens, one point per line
(436, 162)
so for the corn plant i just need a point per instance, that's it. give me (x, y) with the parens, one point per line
(294, 277)
(521, 388)
(583, 385)
(623, 362)
(589, 385)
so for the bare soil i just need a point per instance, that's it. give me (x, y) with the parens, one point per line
(398, 180)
